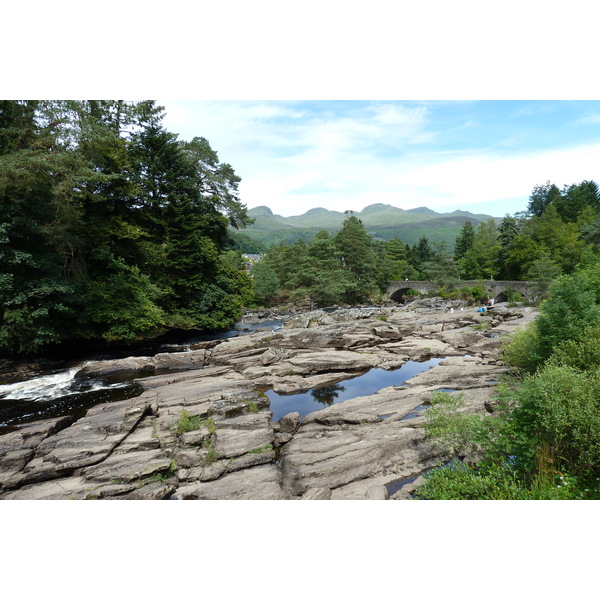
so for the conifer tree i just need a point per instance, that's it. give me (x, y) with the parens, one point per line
(358, 259)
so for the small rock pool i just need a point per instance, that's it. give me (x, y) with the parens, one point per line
(362, 385)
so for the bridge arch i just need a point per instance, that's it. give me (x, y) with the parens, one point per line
(400, 293)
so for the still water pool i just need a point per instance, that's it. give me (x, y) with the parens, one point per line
(361, 385)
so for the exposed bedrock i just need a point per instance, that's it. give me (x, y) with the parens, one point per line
(203, 429)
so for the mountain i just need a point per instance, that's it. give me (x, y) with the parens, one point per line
(422, 209)
(382, 221)
(262, 211)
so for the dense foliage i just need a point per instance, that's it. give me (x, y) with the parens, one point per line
(559, 232)
(112, 229)
(543, 440)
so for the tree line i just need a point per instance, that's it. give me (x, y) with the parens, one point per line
(559, 231)
(112, 228)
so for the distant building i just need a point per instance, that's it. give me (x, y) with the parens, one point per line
(251, 259)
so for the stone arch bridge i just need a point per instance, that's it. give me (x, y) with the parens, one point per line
(494, 289)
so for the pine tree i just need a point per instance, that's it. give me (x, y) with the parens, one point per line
(358, 259)
(464, 240)
(543, 196)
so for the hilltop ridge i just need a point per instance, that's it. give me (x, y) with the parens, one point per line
(383, 221)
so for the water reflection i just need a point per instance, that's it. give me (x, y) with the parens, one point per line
(326, 395)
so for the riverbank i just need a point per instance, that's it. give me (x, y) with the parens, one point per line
(203, 428)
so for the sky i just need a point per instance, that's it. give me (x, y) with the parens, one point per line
(448, 105)
(481, 156)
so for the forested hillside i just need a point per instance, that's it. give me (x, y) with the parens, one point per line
(112, 228)
(558, 233)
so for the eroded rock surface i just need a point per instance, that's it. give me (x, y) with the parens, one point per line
(202, 429)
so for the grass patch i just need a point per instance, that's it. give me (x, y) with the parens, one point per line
(162, 476)
(189, 422)
(252, 406)
(261, 449)
(211, 453)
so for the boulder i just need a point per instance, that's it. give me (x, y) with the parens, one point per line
(289, 423)
(377, 492)
(117, 370)
(273, 355)
(327, 361)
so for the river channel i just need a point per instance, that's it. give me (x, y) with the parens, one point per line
(51, 389)
(58, 392)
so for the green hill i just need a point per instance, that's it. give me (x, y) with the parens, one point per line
(382, 221)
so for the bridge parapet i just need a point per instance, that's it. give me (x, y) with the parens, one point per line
(495, 289)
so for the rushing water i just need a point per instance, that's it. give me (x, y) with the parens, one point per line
(362, 385)
(54, 392)
(57, 394)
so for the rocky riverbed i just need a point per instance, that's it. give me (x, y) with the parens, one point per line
(202, 428)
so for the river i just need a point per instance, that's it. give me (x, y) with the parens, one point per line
(48, 388)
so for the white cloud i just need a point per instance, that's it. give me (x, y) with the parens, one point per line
(589, 120)
(443, 186)
(293, 158)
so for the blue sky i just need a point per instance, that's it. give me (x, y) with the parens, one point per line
(482, 156)
(262, 84)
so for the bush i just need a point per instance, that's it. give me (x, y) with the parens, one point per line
(557, 416)
(453, 430)
(569, 311)
(412, 292)
(466, 482)
(512, 295)
(583, 354)
(521, 350)
(542, 443)
(476, 293)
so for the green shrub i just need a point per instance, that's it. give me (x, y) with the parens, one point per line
(522, 349)
(565, 316)
(412, 292)
(495, 481)
(583, 354)
(467, 482)
(477, 292)
(557, 419)
(452, 429)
